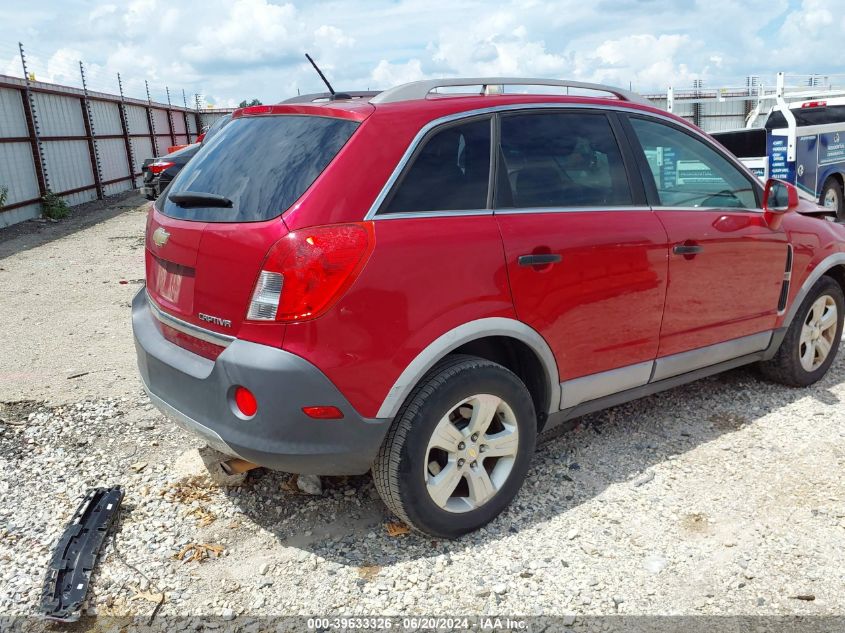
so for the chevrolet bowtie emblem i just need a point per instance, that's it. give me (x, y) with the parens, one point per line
(160, 237)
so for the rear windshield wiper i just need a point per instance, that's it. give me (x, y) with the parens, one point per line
(199, 199)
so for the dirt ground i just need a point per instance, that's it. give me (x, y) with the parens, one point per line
(65, 291)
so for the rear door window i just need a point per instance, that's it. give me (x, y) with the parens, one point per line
(218, 125)
(450, 172)
(560, 159)
(262, 164)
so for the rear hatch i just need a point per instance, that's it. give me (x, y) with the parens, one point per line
(210, 231)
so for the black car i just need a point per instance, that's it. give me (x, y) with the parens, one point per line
(158, 172)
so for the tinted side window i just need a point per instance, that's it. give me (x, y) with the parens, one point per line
(688, 172)
(449, 173)
(822, 115)
(560, 159)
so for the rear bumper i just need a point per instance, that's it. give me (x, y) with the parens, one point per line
(150, 188)
(196, 393)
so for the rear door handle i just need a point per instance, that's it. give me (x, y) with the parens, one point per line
(540, 259)
(687, 249)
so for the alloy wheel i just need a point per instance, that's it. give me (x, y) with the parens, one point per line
(818, 333)
(471, 453)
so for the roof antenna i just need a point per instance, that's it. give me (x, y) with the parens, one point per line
(322, 76)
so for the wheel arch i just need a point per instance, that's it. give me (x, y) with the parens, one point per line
(831, 175)
(832, 266)
(835, 175)
(838, 274)
(509, 342)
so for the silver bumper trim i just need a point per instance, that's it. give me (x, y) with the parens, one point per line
(190, 329)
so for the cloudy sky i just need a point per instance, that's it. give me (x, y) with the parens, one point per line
(230, 50)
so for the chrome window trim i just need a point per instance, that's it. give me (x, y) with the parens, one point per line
(434, 214)
(372, 213)
(215, 338)
(710, 209)
(603, 209)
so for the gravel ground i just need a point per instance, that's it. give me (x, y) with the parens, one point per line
(721, 497)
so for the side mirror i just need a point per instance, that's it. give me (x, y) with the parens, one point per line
(779, 197)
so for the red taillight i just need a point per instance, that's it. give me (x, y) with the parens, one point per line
(245, 401)
(190, 343)
(814, 104)
(256, 109)
(159, 166)
(306, 271)
(323, 413)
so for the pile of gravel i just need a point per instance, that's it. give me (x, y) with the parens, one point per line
(724, 496)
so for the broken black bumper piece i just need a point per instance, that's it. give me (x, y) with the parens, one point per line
(69, 572)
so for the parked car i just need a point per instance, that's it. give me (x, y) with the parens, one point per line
(159, 172)
(419, 283)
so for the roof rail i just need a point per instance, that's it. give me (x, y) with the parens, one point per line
(328, 96)
(494, 85)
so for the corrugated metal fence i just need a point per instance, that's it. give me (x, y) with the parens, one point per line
(80, 147)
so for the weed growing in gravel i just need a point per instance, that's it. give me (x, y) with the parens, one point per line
(4, 193)
(54, 206)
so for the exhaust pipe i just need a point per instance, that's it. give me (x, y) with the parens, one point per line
(237, 466)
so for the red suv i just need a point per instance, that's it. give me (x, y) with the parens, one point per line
(419, 283)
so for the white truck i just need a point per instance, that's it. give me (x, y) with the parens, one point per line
(800, 138)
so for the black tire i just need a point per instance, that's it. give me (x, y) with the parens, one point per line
(834, 187)
(400, 468)
(785, 367)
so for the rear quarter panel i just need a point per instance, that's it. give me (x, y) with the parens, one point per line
(425, 277)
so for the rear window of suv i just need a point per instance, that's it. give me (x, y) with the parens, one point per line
(262, 164)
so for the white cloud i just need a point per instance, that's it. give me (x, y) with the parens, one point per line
(385, 74)
(642, 60)
(250, 32)
(102, 11)
(812, 33)
(237, 49)
(496, 45)
(331, 36)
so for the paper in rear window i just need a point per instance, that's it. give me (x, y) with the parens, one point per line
(262, 164)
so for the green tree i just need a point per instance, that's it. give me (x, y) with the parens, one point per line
(245, 103)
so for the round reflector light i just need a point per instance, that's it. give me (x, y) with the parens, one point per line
(245, 401)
